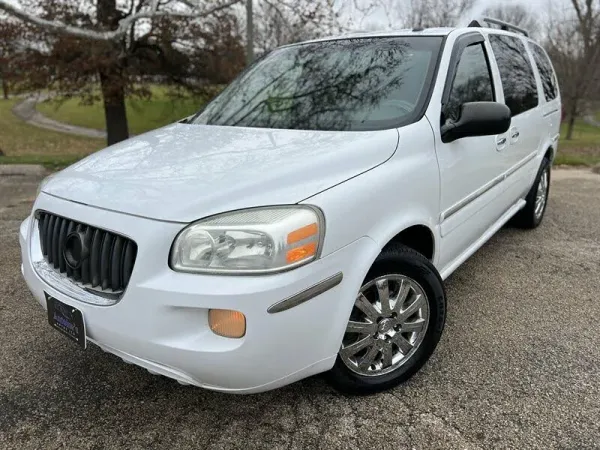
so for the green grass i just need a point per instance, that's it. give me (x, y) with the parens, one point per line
(52, 162)
(23, 143)
(584, 135)
(569, 159)
(584, 147)
(142, 114)
(26, 144)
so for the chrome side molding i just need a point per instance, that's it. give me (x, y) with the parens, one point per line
(486, 187)
(306, 294)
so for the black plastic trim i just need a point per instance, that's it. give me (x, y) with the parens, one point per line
(307, 294)
(107, 249)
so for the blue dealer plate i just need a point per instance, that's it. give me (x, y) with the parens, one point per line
(67, 320)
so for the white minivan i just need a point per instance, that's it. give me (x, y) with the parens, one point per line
(305, 219)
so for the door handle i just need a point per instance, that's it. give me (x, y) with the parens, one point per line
(514, 135)
(500, 143)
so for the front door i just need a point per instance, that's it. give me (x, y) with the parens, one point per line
(470, 168)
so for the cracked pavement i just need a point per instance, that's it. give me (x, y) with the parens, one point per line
(518, 365)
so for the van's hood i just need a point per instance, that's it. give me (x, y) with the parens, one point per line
(185, 172)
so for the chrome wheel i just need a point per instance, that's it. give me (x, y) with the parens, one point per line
(387, 324)
(541, 195)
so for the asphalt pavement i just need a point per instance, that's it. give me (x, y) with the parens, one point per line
(518, 365)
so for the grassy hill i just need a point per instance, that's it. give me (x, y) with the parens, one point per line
(23, 143)
(143, 114)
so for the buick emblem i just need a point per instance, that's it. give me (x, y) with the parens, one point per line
(75, 250)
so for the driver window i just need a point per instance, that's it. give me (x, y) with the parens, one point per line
(472, 82)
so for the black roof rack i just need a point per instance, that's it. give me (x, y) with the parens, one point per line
(503, 25)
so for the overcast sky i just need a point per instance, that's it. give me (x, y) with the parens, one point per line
(378, 18)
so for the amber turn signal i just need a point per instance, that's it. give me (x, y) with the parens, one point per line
(300, 253)
(302, 233)
(227, 323)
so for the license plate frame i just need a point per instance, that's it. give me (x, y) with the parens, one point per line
(67, 320)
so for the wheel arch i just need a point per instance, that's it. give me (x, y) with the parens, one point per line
(415, 228)
(419, 237)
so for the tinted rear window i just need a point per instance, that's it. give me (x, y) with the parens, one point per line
(350, 84)
(546, 73)
(516, 73)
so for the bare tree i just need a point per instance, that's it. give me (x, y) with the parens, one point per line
(356, 13)
(515, 14)
(426, 13)
(9, 50)
(117, 42)
(573, 43)
(151, 9)
(249, 31)
(280, 22)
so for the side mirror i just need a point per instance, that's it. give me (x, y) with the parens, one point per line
(478, 119)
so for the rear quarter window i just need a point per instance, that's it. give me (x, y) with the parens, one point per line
(516, 73)
(546, 72)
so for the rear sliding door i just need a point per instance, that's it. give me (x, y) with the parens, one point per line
(521, 96)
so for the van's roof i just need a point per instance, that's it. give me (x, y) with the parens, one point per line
(383, 33)
(401, 32)
(407, 32)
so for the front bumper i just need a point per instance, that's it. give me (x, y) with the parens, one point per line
(161, 322)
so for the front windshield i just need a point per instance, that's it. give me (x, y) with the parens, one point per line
(349, 84)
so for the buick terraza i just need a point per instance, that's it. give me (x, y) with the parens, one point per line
(305, 219)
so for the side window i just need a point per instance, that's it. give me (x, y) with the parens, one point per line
(472, 82)
(546, 73)
(516, 73)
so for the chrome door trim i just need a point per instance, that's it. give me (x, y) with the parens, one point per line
(520, 164)
(469, 198)
(486, 187)
(306, 294)
(547, 113)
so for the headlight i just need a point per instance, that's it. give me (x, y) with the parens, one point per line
(43, 183)
(251, 241)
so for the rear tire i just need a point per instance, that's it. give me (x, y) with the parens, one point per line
(395, 327)
(536, 200)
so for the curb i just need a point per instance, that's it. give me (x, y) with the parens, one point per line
(22, 170)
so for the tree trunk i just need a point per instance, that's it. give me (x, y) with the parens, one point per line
(113, 95)
(5, 88)
(249, 33)
(112, 80)
(571, 123)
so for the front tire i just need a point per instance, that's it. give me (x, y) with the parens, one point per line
(395, 324)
